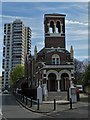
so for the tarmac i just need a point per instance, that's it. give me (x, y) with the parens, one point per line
(49, 106)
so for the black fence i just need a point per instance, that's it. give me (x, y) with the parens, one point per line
(30, 102)
(30, 92)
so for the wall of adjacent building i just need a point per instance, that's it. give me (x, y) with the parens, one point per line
(0, 83)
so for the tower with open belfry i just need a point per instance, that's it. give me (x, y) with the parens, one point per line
(54, 66)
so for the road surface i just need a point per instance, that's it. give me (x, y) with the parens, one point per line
(11, 109)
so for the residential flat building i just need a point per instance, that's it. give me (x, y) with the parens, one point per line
(17, 44)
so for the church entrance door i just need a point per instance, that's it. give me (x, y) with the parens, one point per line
(52, 82)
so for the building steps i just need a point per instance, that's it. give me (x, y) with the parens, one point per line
(57, 96)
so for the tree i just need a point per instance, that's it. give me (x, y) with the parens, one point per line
(16, 74)
(86, 76)
(80, 68)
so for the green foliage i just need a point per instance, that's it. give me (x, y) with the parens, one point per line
(80, 81)
(16, 73)
(86, 76)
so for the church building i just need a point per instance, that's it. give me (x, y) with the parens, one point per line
(53, 65)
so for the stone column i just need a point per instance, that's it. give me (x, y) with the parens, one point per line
(58, 86)
(71, 83)
(45, 91)
(39, 94)
(54, 27)
(47, 84)
(48, 27)
(61, 28)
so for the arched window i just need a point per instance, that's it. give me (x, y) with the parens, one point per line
(51, 29)
(55, 59)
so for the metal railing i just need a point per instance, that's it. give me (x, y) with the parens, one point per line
(30, 102)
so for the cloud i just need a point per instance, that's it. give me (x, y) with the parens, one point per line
(75, 22)
(76, 32)
(76, 27)
(33, 23)
(37, 29)
(81, 47)
(36, 35)
(21, 17)
(46, 8)
(45, 1)
(83, 57)
(1, 51)
(30, 20)
(15, 17)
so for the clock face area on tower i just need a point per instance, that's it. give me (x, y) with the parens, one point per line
(54, 28)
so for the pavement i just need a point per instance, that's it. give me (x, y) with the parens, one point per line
(62, 105)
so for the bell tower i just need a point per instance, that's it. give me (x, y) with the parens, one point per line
(54, 29)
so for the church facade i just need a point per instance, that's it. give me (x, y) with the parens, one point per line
(53, 65)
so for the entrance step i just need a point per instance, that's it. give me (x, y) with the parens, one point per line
(57, 96)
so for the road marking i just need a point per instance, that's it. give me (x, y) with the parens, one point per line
(2, 116)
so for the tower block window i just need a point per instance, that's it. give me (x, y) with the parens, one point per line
(55, 59)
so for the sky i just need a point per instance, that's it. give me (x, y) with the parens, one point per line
(45, 0)
(32, 15)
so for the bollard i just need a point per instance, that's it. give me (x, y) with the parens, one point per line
(70, 103)
(23, 98)
(38, 104)
(54, 104)
(31, 102)
(26, 100)
(15, 94)
(68, 94)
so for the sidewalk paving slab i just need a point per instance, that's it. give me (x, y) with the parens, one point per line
(48, 106)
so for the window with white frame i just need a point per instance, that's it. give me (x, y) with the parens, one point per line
(55, 59)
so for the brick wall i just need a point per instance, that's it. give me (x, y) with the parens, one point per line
(55, 42)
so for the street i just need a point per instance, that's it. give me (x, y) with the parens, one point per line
(75, 113)
(12, 109)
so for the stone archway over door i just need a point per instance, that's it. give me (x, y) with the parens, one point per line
(64, 82)
(52, 83)
(64, 74)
